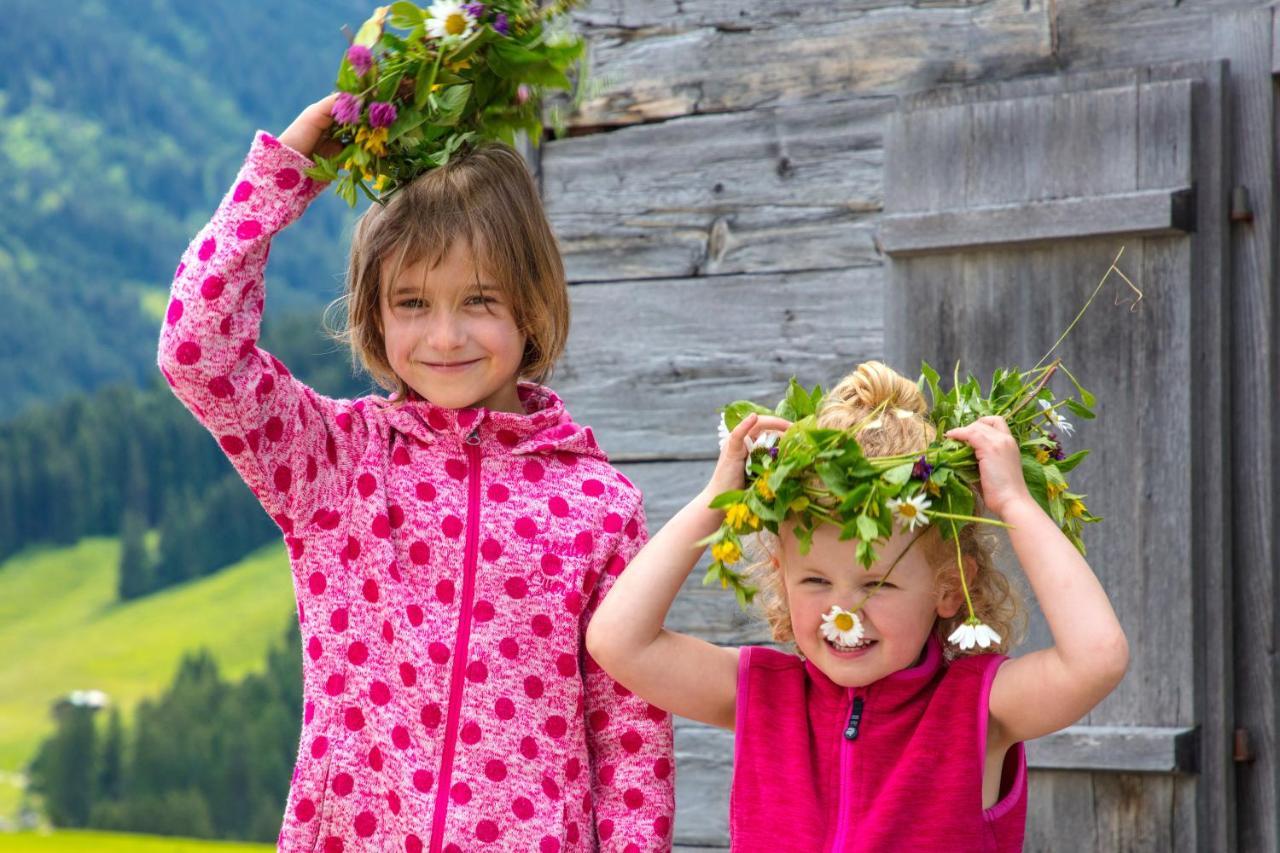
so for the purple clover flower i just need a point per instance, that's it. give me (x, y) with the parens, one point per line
(922, 469)
(500, 24)
(346, 109)
(382, 114)
(361, 58)
(475, 10)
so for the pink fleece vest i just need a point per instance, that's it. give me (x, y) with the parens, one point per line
(896, 765)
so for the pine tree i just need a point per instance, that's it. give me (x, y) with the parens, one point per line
(136, 573)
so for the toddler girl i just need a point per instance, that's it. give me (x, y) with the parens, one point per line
(871, 738)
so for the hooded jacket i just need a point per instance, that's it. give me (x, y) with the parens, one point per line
(445, 564)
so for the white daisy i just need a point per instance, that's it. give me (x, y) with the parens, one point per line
(1056, 419)
(841, 626)
(972, 634)
(449, 19)
(723, 432)
(910, 511)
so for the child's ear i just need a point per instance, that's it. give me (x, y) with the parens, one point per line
(950, 602)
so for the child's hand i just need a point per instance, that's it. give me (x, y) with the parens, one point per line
(307, 133)
(730, 470)
(999, 462)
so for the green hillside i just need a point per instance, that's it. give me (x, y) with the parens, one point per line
(109, 842)
(62, 629)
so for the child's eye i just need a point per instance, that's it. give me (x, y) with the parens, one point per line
(815, 580)
(481, 300)
(412, 304)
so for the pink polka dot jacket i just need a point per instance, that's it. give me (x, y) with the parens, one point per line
(445, 564)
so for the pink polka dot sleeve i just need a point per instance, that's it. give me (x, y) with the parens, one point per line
(629, 740)
(294, 448)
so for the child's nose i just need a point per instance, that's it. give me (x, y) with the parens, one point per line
(444, 331)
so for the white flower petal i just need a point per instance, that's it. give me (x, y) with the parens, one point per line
(723, 432)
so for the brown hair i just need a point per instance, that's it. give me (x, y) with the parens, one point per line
(485, 196)
(888, 416)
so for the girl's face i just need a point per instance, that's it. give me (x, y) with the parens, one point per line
(451, 333)
(896, 620)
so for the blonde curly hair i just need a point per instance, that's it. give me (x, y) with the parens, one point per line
(889, 416)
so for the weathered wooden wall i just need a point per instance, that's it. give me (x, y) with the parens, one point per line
(720, 210)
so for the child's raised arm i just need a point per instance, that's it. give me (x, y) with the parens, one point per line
(293, 447)
(676, 672)
(1047, 690)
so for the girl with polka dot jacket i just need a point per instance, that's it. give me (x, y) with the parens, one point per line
(448, 542)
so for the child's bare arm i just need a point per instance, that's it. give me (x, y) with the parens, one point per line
(676, 672)
(1047, 690)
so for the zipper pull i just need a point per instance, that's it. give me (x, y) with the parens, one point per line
(855, 720)
(473, 438)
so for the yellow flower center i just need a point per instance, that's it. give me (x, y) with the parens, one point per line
(908, 509)
(844, 621)
(455, 24)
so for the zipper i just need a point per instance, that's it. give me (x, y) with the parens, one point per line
(848, 736)
(464, 637)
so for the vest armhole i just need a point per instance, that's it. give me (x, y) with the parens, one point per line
(1016, 751)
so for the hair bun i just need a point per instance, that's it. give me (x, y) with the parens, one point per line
(874, 384)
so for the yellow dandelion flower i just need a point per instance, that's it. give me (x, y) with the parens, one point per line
(762, 486)
(1042, 456)
(1076, 508)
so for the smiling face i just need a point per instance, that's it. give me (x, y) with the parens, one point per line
(451, 333)
(896, 620)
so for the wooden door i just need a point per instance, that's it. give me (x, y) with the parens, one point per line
(1004, 206)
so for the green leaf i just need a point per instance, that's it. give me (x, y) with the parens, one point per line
(1079, 409)
(348, 79)
(868, 530)
(405, 15)
(898, 474)
(736, 413)
(453, 101)
(727, 499)
(1037, 483)
(369, 33)
(1066, 465)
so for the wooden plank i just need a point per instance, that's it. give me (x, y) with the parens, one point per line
(776, 189)
(707, 612)
(1127, 749)
(1134, 214)
(704, 774)
(654, 375)
(1244, 38)
(658, 61)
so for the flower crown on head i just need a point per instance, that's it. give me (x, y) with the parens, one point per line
(461, 73)
(812, 475)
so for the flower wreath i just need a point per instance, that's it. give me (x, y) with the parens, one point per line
(461, 73)
(814, 476)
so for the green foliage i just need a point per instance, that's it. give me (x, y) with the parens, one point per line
(207, 759)
(484, 82)
(813, 476)
(121, 124)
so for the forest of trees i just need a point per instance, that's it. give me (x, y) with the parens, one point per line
(207, 759)
(121, 125)
(123, 461)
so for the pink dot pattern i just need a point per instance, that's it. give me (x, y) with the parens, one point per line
(449, 701)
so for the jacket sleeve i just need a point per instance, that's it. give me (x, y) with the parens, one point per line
(294, 448)
(629, 740)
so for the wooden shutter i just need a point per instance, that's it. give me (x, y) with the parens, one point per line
(1004, 205)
